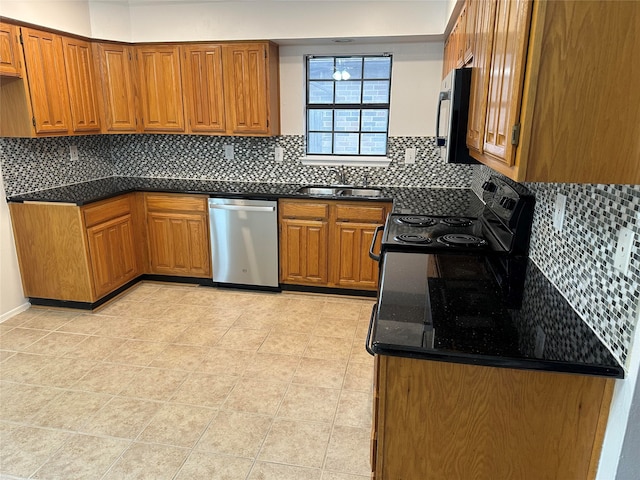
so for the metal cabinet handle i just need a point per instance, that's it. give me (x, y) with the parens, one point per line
(367, 342)
(373, 244)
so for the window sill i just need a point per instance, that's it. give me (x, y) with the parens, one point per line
(355, 161)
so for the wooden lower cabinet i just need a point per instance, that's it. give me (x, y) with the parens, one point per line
(75, 254)
(327, 243)
(178, 235)
(112, 254)
(447, 421)
(303, 251)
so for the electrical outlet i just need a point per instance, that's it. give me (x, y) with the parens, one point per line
(540, 339)
(559, 211)
(410, 155)
(623, 250)
(228, 152)
(279, 153)
(73, 153)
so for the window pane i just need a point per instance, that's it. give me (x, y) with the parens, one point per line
(319, 143)
(320, 120)
(321, 92)
(348, 92)
(375, 120)
(320, 68)
(376, 91)
(345, 143)
(377, 67)
(373, 144)
(353, 66)
(347, 121)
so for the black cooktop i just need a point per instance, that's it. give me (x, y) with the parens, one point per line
(451, 308)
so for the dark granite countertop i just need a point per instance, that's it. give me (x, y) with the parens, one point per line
(410, 200)
(451, 308)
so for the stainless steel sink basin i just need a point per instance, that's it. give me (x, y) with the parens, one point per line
(320, 190)
(361, 192)
(340, 191)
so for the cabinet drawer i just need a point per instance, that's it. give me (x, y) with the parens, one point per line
(360, 213)
(304, 210)
(106, 210)
(176, 203)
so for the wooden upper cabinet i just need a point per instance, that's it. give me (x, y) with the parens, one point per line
(482, 43)
(251, 82)
(470, 30)
(160, 88)
(508, 59)
(204, 88)
(48, 87)
(9, 52)
(81, 79)
(116, 66)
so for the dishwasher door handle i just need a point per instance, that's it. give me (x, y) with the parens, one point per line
(243, 208)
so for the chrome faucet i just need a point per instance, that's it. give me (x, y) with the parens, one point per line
(340, 174)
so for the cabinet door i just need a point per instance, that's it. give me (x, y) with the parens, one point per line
(112, 254)
(117, 70)
(85, 116)
(178, 244)
(469, 30)
(9, 53)
(354, 268)
(160, 88)
(44, 61)
(246, 92)
(204, 89)
(303, 251)
(508, 59)
(483, 41)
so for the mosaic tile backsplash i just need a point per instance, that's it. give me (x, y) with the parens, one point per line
(579, 259)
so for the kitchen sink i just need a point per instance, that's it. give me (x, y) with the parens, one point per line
(320, 190)
(341, 191)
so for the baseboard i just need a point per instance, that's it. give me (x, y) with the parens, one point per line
(14, 311)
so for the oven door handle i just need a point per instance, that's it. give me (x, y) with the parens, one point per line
(367, 342)
(373, 244)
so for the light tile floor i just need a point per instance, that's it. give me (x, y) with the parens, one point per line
(186, 382)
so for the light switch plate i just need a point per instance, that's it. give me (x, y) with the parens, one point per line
(623, 250)
(559, 211)
(410, 155)
(73, 153)
(228, 152)
(279, 153)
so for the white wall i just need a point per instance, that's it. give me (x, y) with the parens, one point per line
(415, 83)
(250, 20)
(110, 20)
(12, 299)
(67, 15)
(619, 459)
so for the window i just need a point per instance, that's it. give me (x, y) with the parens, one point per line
(348, 104)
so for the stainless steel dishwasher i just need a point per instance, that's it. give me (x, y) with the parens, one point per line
(244, 241)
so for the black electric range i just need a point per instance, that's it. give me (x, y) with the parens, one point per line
(461, 289)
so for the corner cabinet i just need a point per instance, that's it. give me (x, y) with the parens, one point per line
(160, 84)
(117, 71)
(484, 422)
(76, 254)
(327, 243)
(178, 235)
(548, 79)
